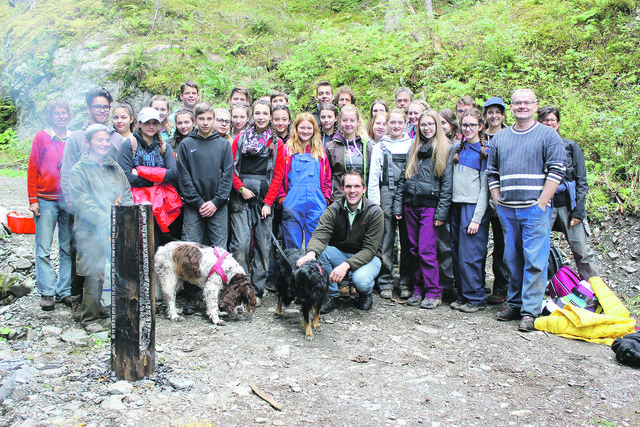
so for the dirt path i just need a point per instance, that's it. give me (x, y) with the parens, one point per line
(394, 365)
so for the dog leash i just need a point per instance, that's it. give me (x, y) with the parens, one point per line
(279, 247)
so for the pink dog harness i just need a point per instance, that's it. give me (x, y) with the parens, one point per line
(217, 267)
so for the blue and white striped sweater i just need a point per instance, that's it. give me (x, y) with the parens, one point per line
(520, 162)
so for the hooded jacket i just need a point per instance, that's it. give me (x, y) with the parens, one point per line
(336, 153)
(205, 169)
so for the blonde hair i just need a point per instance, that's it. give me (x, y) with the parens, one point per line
(440, 147)
(168, 126)
(295, 146)
(360, 129)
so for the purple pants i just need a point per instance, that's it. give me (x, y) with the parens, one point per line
(423, 247)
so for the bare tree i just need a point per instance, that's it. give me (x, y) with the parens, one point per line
(428, 7)
(393, 14)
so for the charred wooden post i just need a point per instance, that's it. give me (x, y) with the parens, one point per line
(133, 321)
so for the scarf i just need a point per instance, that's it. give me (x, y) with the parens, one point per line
(251, 142)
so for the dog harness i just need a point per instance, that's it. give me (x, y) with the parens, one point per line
(217, 267)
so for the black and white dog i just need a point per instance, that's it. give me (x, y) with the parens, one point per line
(211, 268)
(307, 285)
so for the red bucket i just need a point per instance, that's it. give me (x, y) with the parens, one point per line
(21, 224)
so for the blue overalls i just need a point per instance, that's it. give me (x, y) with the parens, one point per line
(304, 203)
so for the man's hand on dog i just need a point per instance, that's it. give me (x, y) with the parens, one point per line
(311, 256)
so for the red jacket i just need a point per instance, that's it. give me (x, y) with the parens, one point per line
(278, 172)
(43, 172)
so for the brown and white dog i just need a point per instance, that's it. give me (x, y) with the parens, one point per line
(211, 268)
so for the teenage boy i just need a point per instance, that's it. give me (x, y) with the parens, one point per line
(279, 98)
(324, 94)
(345, 95)
(463, 104)
(239, 95)
(205, 176)
(189, 94)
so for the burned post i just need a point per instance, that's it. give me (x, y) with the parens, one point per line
(133, 319)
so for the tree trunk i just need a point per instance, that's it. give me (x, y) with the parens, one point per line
(393, 14)
(428, 7)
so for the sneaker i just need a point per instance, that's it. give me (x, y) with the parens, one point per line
(270, 286)
(364, 302)
(495, 299)
(509, 313)
(414, 301)
(386, 294)
(471, 308)
(527, 324)
(405, 293)
(456, 304)
(430, 303)
(344, 291)
(47, 303)
(328, 306)
(94, 328)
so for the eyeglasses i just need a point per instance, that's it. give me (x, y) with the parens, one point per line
(427, 125)
(460, 110)
(549, 121)
(469, 125)
(98, 107)
(223, 121)
(519, 103)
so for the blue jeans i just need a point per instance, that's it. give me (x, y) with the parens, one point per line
(363, 278)
(526, 255)
(53, 212)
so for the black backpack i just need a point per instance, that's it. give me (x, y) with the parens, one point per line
(627, 349)
(555, 261)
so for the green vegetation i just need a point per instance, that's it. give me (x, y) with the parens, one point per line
(580, 55)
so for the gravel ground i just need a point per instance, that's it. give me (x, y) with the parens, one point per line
(394, 365)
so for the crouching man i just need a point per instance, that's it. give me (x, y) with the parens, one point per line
(348, 240)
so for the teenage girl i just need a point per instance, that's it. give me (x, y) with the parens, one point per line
(415, 109)
(161, 103)
(240, 113)
(307, 182)
(423, 198)
(328, 120)
(281, 121)
(150, 166)
(450, 125)
(387, 160)
(348, 149)
(377, 127)
(469, 214)
(124, 119)
(258, 169)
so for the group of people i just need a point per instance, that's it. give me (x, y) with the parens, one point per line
(341, 189)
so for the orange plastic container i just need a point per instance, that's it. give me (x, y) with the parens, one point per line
(21, 224)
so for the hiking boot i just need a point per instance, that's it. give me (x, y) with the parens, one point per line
(94, 328)
(430, 303)
(495, 299)
(76, 307)
(328, 306)
(353, 292)
(364, 302)
(66, 301)
(105, 311)
(405, 293)
(509, 313)
(270, 286)
(471, 308)
(449, 295)
(527, 324)
(414, 301)
(47, 303)
(456, 304)
(386, 294)
(344, 291)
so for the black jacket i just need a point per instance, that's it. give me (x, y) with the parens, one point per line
(576, 171)
(205, 170)
(424, 189)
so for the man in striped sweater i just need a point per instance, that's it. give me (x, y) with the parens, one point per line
(526, 164)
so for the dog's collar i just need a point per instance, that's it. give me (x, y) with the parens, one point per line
(217, 267)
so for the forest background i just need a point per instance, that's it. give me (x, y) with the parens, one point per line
(582, 56)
